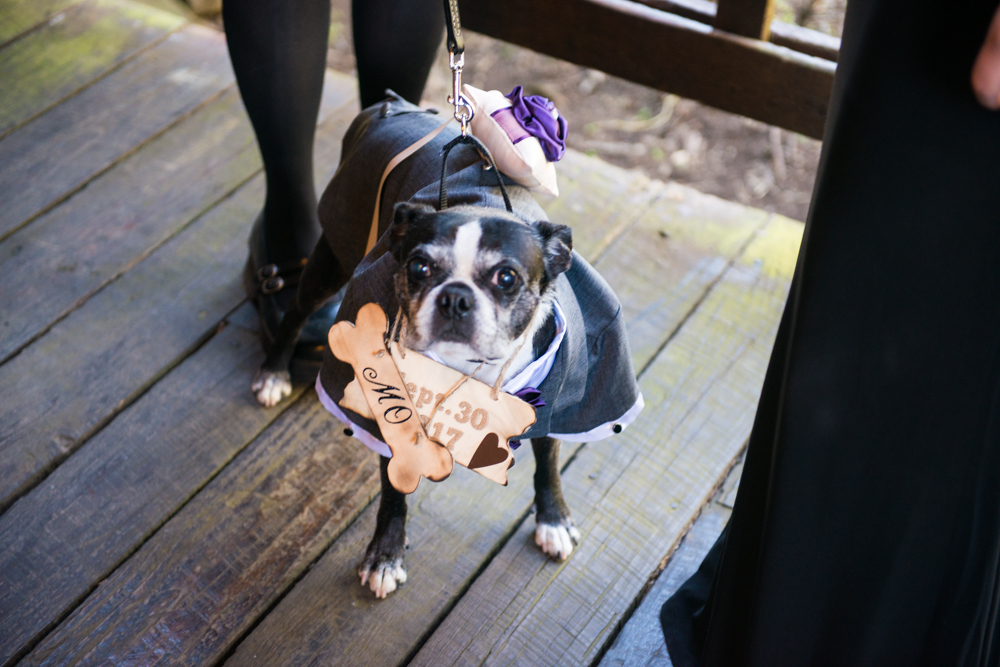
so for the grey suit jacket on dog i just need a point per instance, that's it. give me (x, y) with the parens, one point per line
(591, 386)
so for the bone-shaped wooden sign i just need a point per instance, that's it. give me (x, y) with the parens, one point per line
(468, 421)
(413, 454)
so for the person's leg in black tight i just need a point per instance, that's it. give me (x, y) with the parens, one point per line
(395, 42)
(278, 50)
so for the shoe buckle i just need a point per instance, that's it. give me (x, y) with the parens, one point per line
(267, 271)
(272, 285)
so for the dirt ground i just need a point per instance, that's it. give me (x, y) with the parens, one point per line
(636, 127)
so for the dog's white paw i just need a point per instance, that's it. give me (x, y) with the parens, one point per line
(557, 540)
(270, 387)
(383, 578)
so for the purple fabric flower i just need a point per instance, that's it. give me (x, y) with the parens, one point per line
(539, 116)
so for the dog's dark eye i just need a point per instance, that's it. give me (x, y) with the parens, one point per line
(420, 269)
(505, 278)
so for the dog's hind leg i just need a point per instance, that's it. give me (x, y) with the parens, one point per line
(382, 569)
(321, 278)
(555, 532)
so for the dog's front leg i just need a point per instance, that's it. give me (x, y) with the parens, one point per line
(382, 569)
(555, 531)
(321, 278)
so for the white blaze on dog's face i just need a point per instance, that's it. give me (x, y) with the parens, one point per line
(471, 279)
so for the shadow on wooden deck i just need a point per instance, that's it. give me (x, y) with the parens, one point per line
(153, 513)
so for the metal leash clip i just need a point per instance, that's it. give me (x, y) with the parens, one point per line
(463, 109)
(456, 61)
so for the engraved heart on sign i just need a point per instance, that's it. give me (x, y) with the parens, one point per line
(488, 453)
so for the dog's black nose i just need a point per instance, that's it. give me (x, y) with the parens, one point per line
(455, 301)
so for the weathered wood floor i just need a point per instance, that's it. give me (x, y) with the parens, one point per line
(153, 513)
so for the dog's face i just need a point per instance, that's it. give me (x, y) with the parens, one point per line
(471, 279)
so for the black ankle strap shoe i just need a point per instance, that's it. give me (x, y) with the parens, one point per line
(271, 288)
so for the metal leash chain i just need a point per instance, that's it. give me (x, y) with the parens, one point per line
(456, 61)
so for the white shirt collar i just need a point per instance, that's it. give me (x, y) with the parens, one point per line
(535, 372)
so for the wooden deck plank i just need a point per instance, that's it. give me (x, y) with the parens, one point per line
(137, 327)
(127, 212)
(686, 240)
(633, 498)
(192, 590)
(329, 619)
(61, 259)
(97, 507)
(73, 49)
(640, 642)
(19, 16)
(587, 189)
(50, 158)
(108, 351)
(164, 628)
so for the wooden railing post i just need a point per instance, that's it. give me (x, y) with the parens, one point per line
(750, 18)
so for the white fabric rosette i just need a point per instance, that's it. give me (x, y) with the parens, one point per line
(520, 157)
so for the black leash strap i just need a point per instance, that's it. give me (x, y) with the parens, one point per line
(456, 43)
(485, 152)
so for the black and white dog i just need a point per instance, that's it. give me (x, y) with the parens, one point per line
(476, 285)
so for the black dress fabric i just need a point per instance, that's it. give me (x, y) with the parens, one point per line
(866, 530)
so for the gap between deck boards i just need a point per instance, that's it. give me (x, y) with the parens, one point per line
(640, 642)
(22, 17)
(676, 563)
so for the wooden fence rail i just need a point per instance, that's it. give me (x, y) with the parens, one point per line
(718, 56)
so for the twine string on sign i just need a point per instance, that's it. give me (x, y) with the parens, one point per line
(399, 334)
(495, 393)
(447, 395)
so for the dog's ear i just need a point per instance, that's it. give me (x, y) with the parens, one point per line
(558, 243)
(403, 218)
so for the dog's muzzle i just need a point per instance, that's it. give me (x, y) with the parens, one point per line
(455, 301)
(455, 319)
